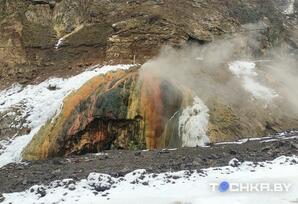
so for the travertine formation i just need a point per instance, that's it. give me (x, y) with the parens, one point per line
(120, 110)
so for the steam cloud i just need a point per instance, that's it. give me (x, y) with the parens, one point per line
(205, 70)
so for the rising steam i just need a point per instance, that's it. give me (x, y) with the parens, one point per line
(257, 89)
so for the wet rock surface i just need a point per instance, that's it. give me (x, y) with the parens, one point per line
(18, 177)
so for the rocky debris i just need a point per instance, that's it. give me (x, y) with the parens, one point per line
(101, 188)
(232, 152)
(13, 123)
(234, 162)
(39, 190)
(107, 185)
(295, 145)
(100, 182)
(120, 162)
(2, 198)
(52, 87)
(72, 187)
(123, 171)
(138, 153)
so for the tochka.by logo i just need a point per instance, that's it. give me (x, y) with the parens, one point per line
(250, 187)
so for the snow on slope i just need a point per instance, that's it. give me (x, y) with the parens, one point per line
(246, 72)
(193, 124)
(41, 104)
(191, 187)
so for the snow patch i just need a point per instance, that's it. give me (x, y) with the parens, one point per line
(40, 104)
(246, 72)
(288, 135)
(193, 124)
(59, 43)
(170, 187)
(290, 8)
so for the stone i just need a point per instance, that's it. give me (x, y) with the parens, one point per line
(20, 167)
(57, 171)
(101, 188)
(265, 149)
(150, 169)
(232, 152)
(41, 191)
(294, 145)
(57, 161)
(234, 162)
(72, 187)
(138, 153)
(195, 163)
(24, 182)
(124, 171)
(164, 151)
(2, 198)
(52, 3)
(52, 87)
(213, 156)
(183, 166)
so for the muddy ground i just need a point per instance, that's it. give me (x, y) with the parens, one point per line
(18, 177)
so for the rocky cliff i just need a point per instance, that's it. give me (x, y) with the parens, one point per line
(42, 38)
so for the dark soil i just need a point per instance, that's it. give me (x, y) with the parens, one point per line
(18, 177)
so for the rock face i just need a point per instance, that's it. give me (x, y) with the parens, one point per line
(120, 110)
(39, 38)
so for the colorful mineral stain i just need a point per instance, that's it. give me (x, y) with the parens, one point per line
(120, 110)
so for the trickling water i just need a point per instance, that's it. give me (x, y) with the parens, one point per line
(193, 124)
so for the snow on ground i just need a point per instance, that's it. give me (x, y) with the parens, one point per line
(290, 8)
(288, 135)
(193, 124)
(246, 72)
(40, 104)
(191, 187)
